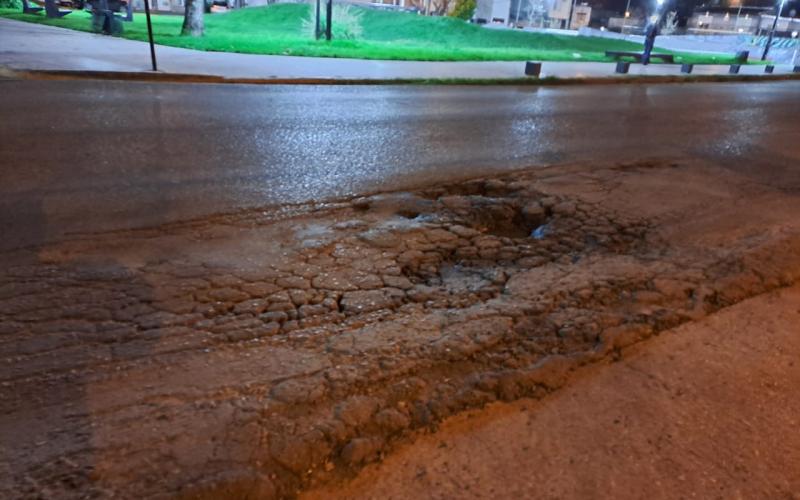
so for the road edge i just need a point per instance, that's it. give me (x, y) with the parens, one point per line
(159, 77)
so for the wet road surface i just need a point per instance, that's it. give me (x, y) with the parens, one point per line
(78, 156)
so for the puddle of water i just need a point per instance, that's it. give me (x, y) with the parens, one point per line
(540, 232)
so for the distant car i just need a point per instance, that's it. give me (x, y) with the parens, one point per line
(218, 3)
(72, 4)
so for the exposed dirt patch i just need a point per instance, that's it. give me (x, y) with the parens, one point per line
(259, 353)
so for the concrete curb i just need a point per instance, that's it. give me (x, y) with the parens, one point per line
(157, 77)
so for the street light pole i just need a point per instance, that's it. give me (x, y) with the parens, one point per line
(772, 31)
(625, 16)
(150, 35)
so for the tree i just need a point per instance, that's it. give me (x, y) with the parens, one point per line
(464, 9)
(670, 23)
(536, 12)
(193, 18)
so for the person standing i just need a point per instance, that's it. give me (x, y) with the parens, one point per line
(649, 40)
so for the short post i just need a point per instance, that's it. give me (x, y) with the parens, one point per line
(687, 68)
(796, 69)
(769, 69)
(742, 56)
(734, 69)
(622, 67)
(533, 68)
(150, 35)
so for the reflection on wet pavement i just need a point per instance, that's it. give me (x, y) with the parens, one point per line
(133, 154)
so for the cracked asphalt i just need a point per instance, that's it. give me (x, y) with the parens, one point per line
(216, 291)
(255, 354)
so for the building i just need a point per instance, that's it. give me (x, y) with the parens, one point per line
(527, 13)
(581, 15)
(160, 5)
(748, 20)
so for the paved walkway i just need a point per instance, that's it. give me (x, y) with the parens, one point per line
(33, 46)
(704, 411)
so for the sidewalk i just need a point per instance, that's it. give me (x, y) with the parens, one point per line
(708, 410)
(29, 46)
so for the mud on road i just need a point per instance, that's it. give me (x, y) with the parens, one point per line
(255, 354)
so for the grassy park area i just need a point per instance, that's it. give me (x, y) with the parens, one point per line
(279, 29)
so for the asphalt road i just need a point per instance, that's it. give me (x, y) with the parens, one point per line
(78, 156)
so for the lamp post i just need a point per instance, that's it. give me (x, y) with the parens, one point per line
(626, 15)
(772, 31)
(150, 35)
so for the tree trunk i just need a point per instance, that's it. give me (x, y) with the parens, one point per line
(193, 18)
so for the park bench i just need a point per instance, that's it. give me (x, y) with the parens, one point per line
(619, 54)
(105, 18)
(50, 8)
(27, 9)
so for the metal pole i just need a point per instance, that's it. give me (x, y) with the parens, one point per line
(625, 15)
(516, 18)
(772, 31)
(316, 22)
(329, 19)
(150, 34)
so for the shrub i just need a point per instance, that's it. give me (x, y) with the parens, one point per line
(10, 4)
(346, 22)
(464, 9)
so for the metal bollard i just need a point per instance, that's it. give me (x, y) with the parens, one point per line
(734, 69)
(769, 69)
(623, 67)
(533, 68)
(687, 68)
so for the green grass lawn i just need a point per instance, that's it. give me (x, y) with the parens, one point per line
(277, 29)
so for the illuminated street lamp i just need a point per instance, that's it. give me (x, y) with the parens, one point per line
(772, 31)
(627, 15)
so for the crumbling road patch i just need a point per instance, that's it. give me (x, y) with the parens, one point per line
(253, 354)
